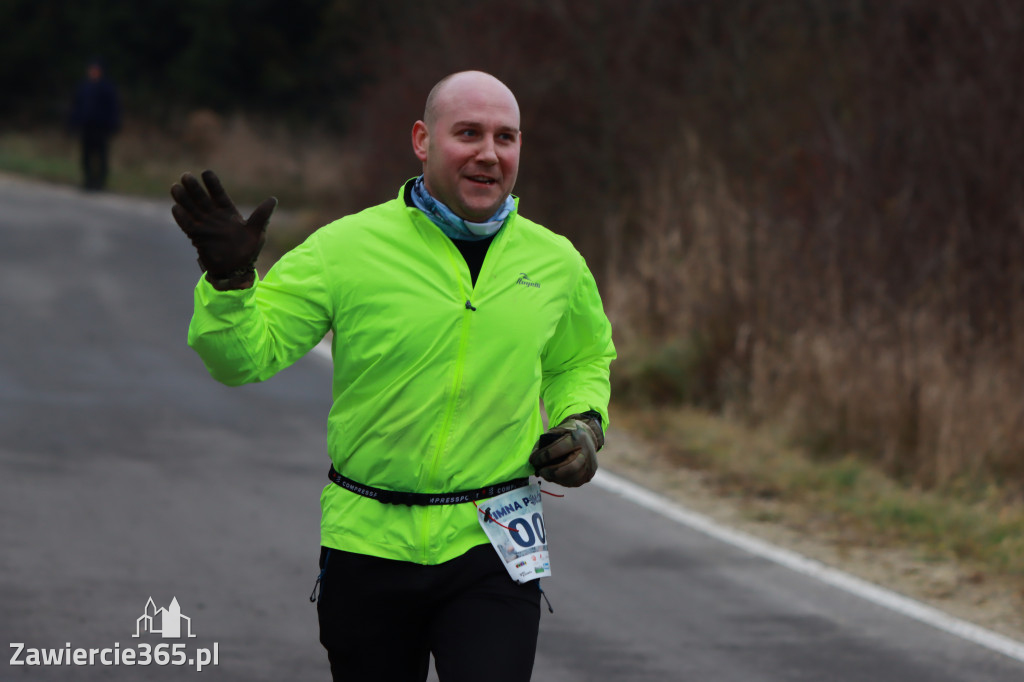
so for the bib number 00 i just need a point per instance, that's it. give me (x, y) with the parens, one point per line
(528, 533)
(514, 523)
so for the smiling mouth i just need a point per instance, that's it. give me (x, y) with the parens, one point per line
(481, 179)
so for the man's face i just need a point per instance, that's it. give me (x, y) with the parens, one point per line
(470, 152)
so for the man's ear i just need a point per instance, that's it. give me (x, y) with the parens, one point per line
(420, 139)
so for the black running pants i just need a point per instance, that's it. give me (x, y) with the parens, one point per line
(381, 619)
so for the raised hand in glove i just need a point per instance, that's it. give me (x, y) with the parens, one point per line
(228, 245)
(567, 453)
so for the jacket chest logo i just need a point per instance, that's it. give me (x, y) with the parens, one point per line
(525, 280)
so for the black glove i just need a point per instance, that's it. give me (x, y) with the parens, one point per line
(227, 244)
(567, 453)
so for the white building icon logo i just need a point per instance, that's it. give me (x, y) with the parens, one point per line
(167, 622)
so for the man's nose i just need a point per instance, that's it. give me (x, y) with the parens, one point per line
(487, 153)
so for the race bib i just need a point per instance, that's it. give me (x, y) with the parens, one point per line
(514, 523)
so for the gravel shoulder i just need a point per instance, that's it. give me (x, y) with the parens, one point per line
(968, 593)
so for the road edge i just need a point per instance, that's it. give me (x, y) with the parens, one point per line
(810, 567)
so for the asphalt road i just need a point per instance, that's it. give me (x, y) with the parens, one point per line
(128, 474)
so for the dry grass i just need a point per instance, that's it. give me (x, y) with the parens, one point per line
(878, 417)
(846, 498)
(310, 172)
(722, 310)
(902, 399)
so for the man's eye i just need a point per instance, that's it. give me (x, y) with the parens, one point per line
(467, 133)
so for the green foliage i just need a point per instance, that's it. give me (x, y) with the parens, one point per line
(18, 156)
(669, 373)
(697, 370)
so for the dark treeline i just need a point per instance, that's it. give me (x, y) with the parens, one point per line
(283, 58)
(779, 188)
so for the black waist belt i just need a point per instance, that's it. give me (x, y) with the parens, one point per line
(425, 499)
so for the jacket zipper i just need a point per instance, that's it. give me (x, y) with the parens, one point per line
(456, 385)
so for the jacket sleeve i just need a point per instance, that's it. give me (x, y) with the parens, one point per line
(576, 360)
(249, 335)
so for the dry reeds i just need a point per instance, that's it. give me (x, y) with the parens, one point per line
(755, 315)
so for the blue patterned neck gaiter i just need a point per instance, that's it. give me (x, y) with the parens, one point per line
(451, 224)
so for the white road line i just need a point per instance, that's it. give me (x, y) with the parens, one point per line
(810, 567)
(797, 562)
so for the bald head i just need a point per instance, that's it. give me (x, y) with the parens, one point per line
(469, 141)
(458, 85)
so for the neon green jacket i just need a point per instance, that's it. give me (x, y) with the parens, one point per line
(429, 395)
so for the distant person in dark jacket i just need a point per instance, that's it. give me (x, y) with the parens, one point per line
(96, 116)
